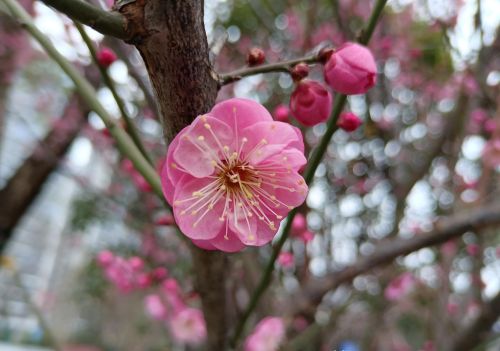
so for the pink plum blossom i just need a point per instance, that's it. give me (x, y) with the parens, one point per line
(310, 103)
(299, 224)
(286, 260)
(351, 69)
(232, 176)
(267, 335)
(104, 258)
(399, 286)
(281, 113)
(155, 307)
(188, 326)
(349, 122)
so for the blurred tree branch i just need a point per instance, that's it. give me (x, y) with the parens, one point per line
(446, 229)
(27, 181)
(107, 23)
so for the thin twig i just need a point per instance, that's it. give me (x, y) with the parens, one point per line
(107, 23)
(284, 66)
(130, 127)
(125, 144)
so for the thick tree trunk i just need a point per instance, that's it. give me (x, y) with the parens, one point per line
(26, 183)
(170, 35)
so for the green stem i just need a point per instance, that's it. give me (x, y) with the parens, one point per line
(86, 91)
(312, 165)
(131, 129)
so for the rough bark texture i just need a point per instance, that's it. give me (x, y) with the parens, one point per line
(26, 183)
(170, 35)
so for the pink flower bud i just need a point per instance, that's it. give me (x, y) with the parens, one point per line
(167, 219)
(306, 236)
(349, 122)
(286, 260)
(281, 113)
(256, 56)
(311, 103)
(106, 57)
(300, 71)
(351, 69)
(299, 224)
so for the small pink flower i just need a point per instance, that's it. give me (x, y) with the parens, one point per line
(281, 113)
(306, 236)
(267, 335)
(232, 176)
(136, 263)
(104, 258)
(155, 307)
(351, 69)
(286, 260)
(311, 103)
(188, 326)
(299, 224)
(349, 122)
(399, 286)
(106, 57)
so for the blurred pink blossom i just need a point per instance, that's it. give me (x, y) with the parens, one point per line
(267, 335)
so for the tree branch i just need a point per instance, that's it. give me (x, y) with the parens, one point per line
(107, 23)
(284, 66)
(472, 335)
(86, 91)
(445, 230)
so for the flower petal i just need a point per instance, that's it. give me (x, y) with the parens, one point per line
(202, 145)
(198, 204)
(240, 113)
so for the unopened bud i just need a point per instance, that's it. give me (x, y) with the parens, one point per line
(256, 56)
(300, 71)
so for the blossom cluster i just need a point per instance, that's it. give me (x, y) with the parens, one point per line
(186, 324)
(350, 70)
(129, 274)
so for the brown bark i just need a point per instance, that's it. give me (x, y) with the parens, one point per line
(26, 183)
(170, 35)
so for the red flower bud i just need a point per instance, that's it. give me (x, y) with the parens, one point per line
(300, 71)
(256, 56)
(106, 57)
(349, 122)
